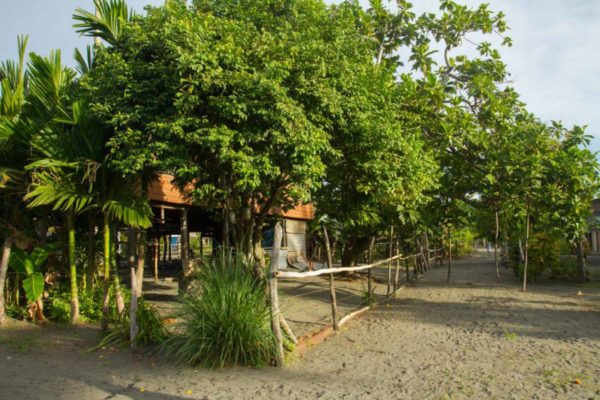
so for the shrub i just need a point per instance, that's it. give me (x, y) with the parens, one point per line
(225, 320)
(90, 303)
(151, 329)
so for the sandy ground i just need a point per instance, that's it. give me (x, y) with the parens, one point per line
(472, 338)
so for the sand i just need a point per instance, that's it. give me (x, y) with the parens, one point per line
(472, 338)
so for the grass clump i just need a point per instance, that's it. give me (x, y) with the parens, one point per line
(224, 320)
(151, 328)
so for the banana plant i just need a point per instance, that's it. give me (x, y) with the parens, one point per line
(29, 266)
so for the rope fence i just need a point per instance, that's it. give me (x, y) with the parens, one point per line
(421, 260)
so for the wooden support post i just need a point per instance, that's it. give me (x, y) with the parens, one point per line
(449, 255)
(369, 271)
(275, 320)
(391, 249)
(331, 281)
(169, 248)
(184, 249)
(288, 330)
(165, 248)
(396, 275)
(155, 259)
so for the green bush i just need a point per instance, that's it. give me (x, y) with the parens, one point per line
(151, 329)
(463, 242)
(225, 320)
(58, 304)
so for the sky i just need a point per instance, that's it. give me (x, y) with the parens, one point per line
(554, 61)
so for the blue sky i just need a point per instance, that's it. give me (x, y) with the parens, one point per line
(554, 60)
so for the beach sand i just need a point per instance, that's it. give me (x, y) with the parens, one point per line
(470, 338)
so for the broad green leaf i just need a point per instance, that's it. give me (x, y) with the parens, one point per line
(34, 286)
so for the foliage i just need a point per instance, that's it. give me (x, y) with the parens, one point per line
(29, 266)
(226, 321)
(152, 330)
(368, 298)
(463, 241)
(90, 304)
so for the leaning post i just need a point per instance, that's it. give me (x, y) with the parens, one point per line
(275, 313)
(331, 281)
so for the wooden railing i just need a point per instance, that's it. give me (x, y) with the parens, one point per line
(421, 264)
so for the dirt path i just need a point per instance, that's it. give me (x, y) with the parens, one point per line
(471, 338)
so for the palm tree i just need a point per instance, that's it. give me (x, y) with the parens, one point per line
(106, 23)
(13, 88)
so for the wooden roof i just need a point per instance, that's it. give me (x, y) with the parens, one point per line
(163, 190)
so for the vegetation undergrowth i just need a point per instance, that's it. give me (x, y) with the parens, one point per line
(225, 319)
(151, 328)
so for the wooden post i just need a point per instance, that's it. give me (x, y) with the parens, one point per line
(396, 275)
(496, 248)
(449, 254)
(288, 330)
(427, 257)
(184, 247)
(331, 281)
(275, 320)
(155, 259)
(406, 267)
(369, 261)
(169, 248)
(164, 248)
(391, 248)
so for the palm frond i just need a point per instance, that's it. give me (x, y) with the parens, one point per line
(58, 191)
(136, 213)
(108, 21)
(84, 63)
(13, 78)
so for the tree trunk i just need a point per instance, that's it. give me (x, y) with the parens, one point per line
(496, 248)
(354, 247)
(581, 262)
(91, 254)
(73, 268)
(133, 306)
(526, 253)
(140, 261)
(106, 277)
(427, 255)
(521, 253)
(186, 270)
(3, 271)
(259, 256)
(116, 280)
(390, 252)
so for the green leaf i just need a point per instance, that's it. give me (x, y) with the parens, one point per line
(34, 286)
(18, 258)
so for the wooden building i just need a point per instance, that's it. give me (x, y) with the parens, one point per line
(179, 225)
(593, 236)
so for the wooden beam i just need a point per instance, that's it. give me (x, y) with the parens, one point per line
(300, 275)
